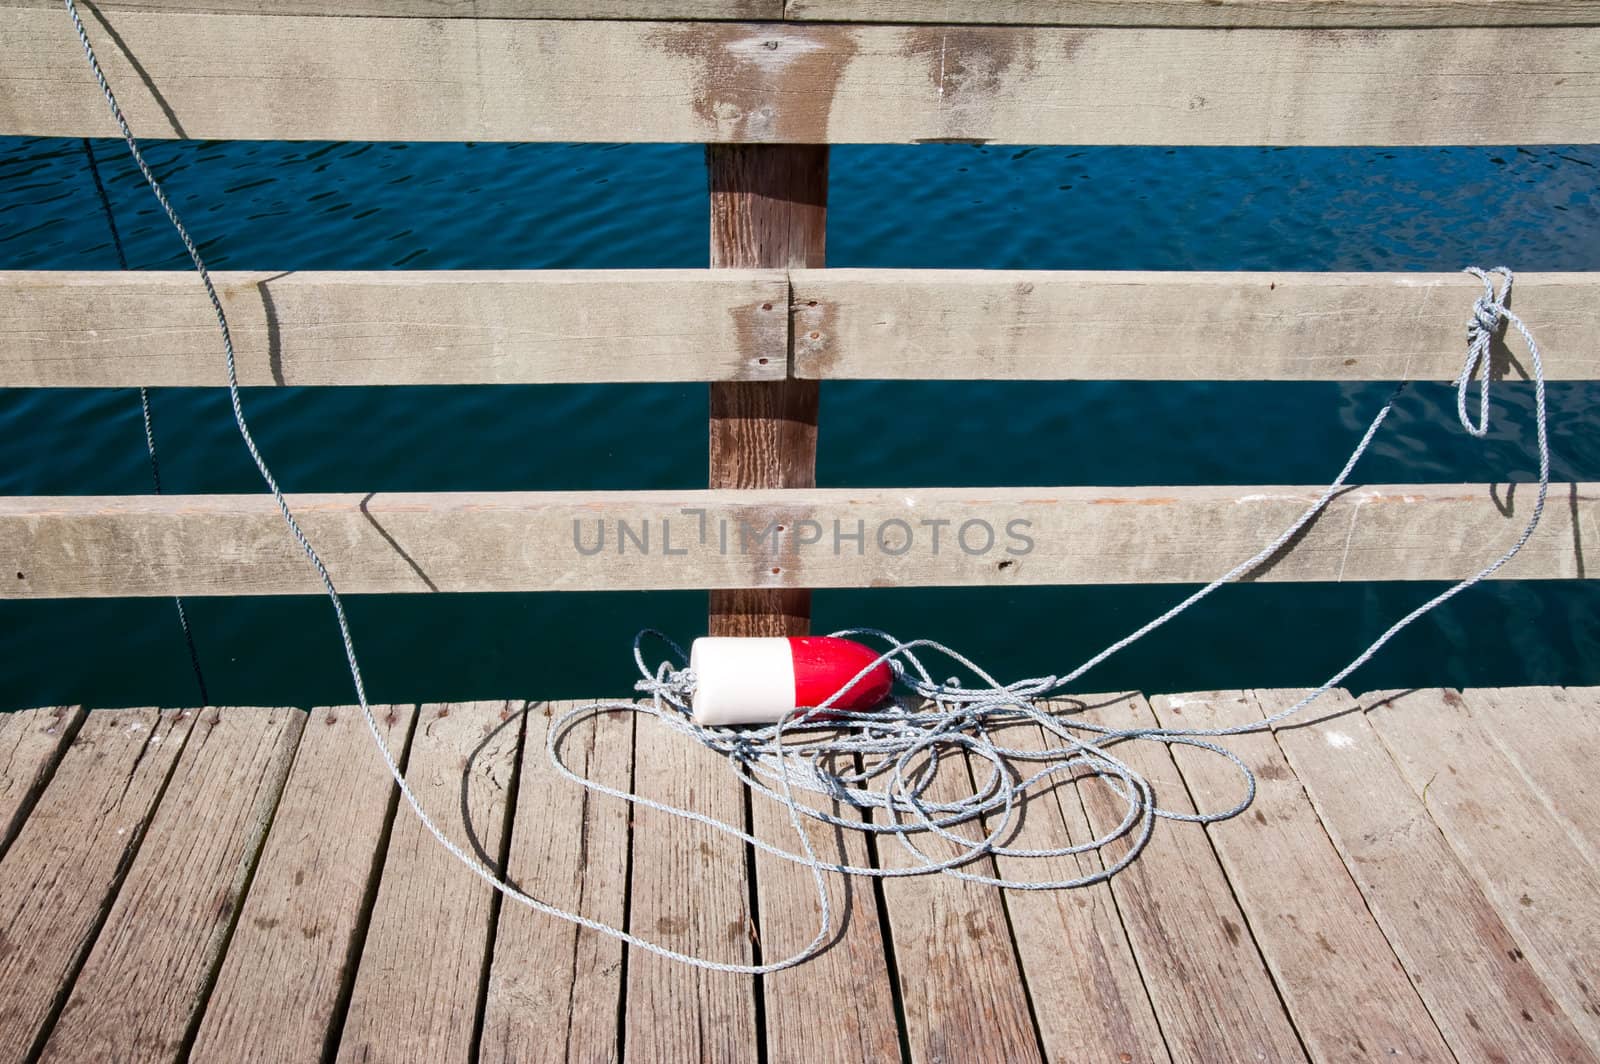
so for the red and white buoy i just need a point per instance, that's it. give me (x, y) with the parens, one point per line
(762, 680)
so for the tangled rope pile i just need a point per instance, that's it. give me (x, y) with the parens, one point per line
(884, 761)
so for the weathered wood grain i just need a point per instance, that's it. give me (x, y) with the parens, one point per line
(961, 983)
(61, 871)
(1212, 992)
(1544, 889)
(146, 978)
(1550, 735)
(417, 984)
(769, 208)
(288, 77)
(689, 892)
(31, 742)
(1363, 14)
(840, 1005)
(292, 951)
(106, 330)
(1348, 994)
(467, 9)
(1110, 1017)
(91, 546)
(1355, 14)
(1131, 325)
(1467, 966)
(555, 990)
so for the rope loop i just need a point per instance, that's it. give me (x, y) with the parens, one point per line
(1489, 313)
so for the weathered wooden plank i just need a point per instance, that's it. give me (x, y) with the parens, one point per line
(1544, 890)
(1071, 325)
(467, 9)
(60, 874)
(1355, 14)
(103, 330)
(555, 989)
(839, 1006)
(1365, 14)
(689, 892)
(146, 978)
(1549, 734)
(94, 546)
(769, 207)
(1468, 968)
(961, 984)
(1212, 992)
(278, 991)
(416, 988)
(293, 78)
(31, 742)
(1110, 1017)
(1348, 994)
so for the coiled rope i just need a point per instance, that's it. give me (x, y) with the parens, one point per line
(899, 747)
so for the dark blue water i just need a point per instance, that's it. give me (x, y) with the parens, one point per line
(378, 206)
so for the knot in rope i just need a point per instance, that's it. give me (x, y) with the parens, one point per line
(1489, 315)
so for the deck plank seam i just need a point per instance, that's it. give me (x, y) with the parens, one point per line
(886, 936)
(46, 773)
(252, 863)
(1233, 893)
(501, 868)
(108, 900)
(758, 988)
(573, 974)
(1344, 862)
(1011, 933)
(627, 893)
(369, 903)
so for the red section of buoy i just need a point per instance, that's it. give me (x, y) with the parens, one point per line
(825, 663)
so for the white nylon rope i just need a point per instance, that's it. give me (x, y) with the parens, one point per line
(900, 746)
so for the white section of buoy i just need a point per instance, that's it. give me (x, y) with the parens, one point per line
(741, 681)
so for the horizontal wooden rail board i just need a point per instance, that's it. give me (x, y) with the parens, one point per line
(121, 329)
(1069, 325)
(1357, 14)
(289, 77)
(483, 9)
(70, 546)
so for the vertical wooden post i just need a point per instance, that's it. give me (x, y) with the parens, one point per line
(769, 208)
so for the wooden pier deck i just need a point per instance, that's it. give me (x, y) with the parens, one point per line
(1418, 879)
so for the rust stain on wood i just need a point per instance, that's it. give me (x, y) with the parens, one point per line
(816, 329)
(1158, 500)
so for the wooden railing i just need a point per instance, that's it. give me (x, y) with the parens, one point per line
(1300, 72)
